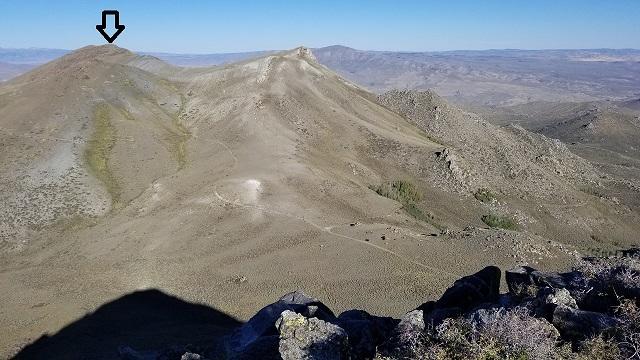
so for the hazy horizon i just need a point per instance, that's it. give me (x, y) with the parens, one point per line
(407, 26)
(334, 45)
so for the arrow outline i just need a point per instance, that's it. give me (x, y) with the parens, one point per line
(102, 27)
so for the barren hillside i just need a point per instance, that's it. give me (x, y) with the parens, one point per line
(231, 185)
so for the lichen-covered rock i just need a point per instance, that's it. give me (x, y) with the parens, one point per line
(547, 299)
(551, 296)
(304, 338)
(262, 323)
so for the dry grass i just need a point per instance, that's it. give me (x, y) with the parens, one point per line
(98, 151)
(503, 334)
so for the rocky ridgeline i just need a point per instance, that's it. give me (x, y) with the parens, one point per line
(478, 154)
(589, 313)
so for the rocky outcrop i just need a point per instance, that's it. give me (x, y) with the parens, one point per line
(540, 312)
(406, 336)
(580, 324)
(261, 325)
(303, 338)
(471, 291)
(365, 331)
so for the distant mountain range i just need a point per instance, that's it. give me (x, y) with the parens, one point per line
(477, 78)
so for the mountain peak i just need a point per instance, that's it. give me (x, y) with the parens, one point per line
(99, 51)
(337, 48)
(301, 52)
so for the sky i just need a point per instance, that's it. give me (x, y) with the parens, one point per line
(397, 25)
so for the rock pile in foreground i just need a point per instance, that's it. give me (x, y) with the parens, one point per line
(591, 312)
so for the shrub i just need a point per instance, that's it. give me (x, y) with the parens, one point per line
(484, 195)
(599, 348)
(408, 195)
(415, 211)
(401, 191)
(629, 333)
(502, 222)
(616, 272)
(502, 334)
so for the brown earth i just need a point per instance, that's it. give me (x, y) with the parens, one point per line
(232, 185)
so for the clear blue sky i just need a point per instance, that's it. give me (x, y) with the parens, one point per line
(241, 25)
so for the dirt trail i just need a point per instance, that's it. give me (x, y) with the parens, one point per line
(327, 229)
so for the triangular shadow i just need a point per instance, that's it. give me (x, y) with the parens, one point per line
(146, 320)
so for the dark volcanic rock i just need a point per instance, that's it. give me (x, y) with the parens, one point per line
(405, 337)
(526, 281)
(302, 338)
(365, 331)
(263, 323)
(263, 348)
(580, 324)
(546, 301)
(473, 290)
(541, 313)
(437, 316)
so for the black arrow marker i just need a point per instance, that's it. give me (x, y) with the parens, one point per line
(103, 27)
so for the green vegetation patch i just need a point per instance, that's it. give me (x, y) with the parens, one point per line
(98, 152)
(484, 195)
(500, 222)
(180, 144)
(408, 195)
(401, 191)
(178, 136)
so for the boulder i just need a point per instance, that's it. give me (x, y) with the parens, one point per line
(547, 299)
(579, 324)
(526, 281)
(262, 323)
(500, 319)
(365, 331)
(437, 316)
(556, 297)
(519, 280)
(127, 353)
(427, 307)
(473, 290)
(304, 338)
(406, 336)
(192, 356)
(263, 348)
